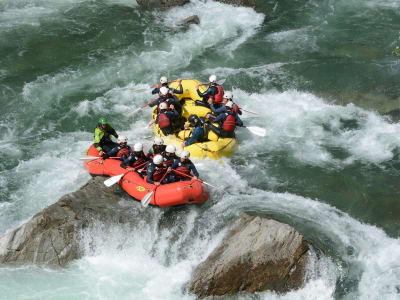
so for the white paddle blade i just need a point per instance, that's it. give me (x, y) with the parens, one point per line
(146, 199)
(257, 130)
(221, 82)
(89, 157)
(113, 180)
(250, 112)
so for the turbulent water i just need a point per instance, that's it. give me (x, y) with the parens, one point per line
(321, 74)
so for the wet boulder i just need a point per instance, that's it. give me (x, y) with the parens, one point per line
(51, 237)
(256, 255)
(190, 20)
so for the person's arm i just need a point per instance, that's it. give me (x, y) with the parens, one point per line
(112, 131)
(155, 91)
(149, 153)
(194, 170)
(180, 91)
(222, 109)
(111, 153)
(175, 164)
(155, 102)
(219, 118)
(172, 113)
(204, 94)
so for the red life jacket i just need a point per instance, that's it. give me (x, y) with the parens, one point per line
(123, 151)
(229, 123)
(235, 108)
(183, 168)
(158, 173)
(163, 120)
(218, 96)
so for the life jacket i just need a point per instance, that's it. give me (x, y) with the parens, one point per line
(183, 167)
(168, 160)
(235, 108)
(123, 151)
(139, 158)
(158, 173)
(218, 96)
(163, 121)
(230, 122)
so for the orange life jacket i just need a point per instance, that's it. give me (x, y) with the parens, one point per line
(229, 123)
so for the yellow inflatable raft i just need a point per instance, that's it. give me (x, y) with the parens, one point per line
(216, 147)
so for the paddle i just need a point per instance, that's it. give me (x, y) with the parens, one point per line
(184, 137)
(154, 86)
(202, 181)
(89, 157)
(146, 199)
(143, 106)
(114, 179)
(249, 111)
(257, 130)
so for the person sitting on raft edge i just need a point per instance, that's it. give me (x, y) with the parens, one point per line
(102, 136)
(164, 82)
(199, 133)
(228, 122)
(166, 117)
(136, 159)
(214, 92)
(184, 166)
(156, 171)
(123, 151)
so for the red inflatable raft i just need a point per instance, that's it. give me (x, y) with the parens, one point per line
(177, 193)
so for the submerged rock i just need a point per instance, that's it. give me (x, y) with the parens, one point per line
(190, 20)
(256, 255)
(161, 3)
(51, 237)
(249, 3)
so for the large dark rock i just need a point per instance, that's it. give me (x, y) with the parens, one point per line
(52, 236)
(161, 3)
(256, 255)
(190, 20)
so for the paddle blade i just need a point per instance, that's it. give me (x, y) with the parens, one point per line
(89, 157)
(113, 180)
(146, 199)
(257, 130)
(141, 90)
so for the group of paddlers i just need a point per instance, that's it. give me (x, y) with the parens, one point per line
(222, 121)
(160, 165)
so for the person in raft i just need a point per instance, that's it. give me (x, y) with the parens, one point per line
(198, 133)
(102, 136)
(137, 159)
(165, 96)
(215, 92)
(169, 155)
(228, 96)
(227, 121)
(164, 82)
(122, 151)
(183, 166)
(165, 118)
(157, 148)
(156, 171)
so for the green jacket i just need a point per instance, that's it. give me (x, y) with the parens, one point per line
(101, 135)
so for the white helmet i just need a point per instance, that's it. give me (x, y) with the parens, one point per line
(122, 139)
(158, 159)
(163, 80)
(185, 154)
(229, 104)
(163, 90)
(170, 149)
(163, 105)
(138, 147)
(212, 78)
(158, 141)
(228, 95)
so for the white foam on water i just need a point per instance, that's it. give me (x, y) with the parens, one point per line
(306, 127)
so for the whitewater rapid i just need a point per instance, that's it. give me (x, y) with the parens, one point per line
(42, 137)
